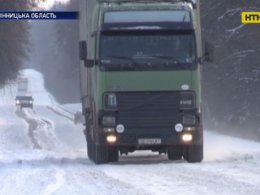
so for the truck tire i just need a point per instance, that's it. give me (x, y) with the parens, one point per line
(194, 153)
(88, 140)
(89, 145)
(100, 154)
(175, 153)
(113, 155)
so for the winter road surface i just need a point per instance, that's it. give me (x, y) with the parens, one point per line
(43, 152)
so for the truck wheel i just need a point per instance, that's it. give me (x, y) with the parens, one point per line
(89, 145)
(89, 141)
(113, 155)
(175, 153)
(100, 154)
(194, 153)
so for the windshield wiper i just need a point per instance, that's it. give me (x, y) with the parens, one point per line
(123, 58)
(172, 59)
(122, 66)
(135, 60)
(168, 58)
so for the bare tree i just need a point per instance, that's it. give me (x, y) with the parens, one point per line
(14, 41)
(232, 82)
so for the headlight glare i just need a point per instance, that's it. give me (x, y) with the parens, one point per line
(187, 137)
(111, 138)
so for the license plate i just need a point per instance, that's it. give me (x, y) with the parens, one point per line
(149, 141)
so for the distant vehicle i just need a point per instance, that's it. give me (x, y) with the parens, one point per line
(24, 101)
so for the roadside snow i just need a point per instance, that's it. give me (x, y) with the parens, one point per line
(60, 165)
(36, 87)
(219, 147)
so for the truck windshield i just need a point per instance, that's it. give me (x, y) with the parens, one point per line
(147, 51)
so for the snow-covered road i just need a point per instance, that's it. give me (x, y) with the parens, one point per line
(43, 152)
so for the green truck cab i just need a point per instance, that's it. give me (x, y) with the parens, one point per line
(140, 78)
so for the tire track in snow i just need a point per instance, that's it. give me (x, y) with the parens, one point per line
(93, 181)
(66, 110)
(45, 131)
(33, 126)
(234, 176)
(59, 113)
(36, 123)
(58, 182)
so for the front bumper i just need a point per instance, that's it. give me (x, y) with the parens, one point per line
(167, 139)
(142, 129)
(151, 115)
(29, 105)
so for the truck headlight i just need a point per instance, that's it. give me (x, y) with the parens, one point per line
(110, 101)
(17, 102)
(187, 100)
(189, 119)
(111, 138)
(187, 137)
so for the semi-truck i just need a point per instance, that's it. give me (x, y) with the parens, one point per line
(140, 77)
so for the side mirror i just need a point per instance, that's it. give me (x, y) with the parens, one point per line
(209, 52)
(83, 54)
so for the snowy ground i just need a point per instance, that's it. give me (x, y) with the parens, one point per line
(43, 152)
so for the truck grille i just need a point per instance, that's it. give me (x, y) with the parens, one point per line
(148, 109)
(142, 119)
(148, 101)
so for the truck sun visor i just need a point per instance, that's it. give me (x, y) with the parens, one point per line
(147, 16)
